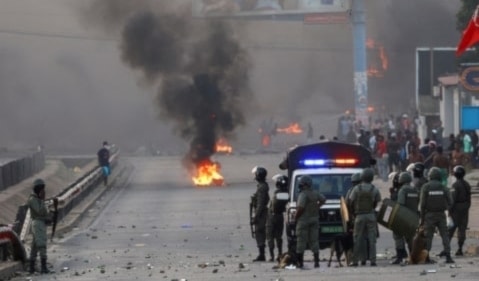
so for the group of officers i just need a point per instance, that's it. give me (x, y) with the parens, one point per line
(411, 189)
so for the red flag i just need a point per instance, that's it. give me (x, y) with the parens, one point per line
(470, 35)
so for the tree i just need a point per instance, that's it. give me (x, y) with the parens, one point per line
(463, 16)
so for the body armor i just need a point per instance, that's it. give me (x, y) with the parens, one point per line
(436, 198)
(364, 200)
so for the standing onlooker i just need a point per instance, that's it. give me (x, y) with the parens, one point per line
(104, 161)
(382, 158)
(309, 133)
(40, 217)
(442, 162)
(414, 155)
(393, 148)
(458, 157)
(467, 147)
(307, 219)
(459, 211)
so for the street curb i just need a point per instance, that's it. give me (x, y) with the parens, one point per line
(8, 269)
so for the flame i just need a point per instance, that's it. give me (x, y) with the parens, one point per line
(223, 146)
(293, 128)
(207, 174)
(266, 140)
(379, 61)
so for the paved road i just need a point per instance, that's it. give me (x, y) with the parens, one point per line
(159, 227)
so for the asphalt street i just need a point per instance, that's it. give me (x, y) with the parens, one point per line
(161, 227)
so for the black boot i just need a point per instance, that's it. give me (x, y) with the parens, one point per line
(271, 253)
(261, 256)
(280, 250)
(31, 269)
(459, 252)
(316, 260)
(448, 258)
(44, 269)
(300, 260)
(398, 259)
(442, 254)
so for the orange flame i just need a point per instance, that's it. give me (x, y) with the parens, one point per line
(207, 174)
(294, 128)
(223, 146)
(266, 140)
(379, 61)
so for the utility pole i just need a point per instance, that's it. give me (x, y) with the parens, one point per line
(360, 63)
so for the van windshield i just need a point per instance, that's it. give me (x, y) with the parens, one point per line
(332, 186)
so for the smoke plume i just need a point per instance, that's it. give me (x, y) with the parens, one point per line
(200, 69)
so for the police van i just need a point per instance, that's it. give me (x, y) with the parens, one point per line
(330, 164)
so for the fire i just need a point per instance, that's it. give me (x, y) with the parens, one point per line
(293, 128)
(223, 146)
(266, 140)
(379, 61)
(207, 174)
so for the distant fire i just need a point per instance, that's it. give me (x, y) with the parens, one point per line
(266, 140)
(378, 62)
(223, 146)
(208, 174)
(293, 128)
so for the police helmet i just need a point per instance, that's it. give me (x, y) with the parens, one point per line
(367, 175)
(394, 177)
(38, 185)
(404, 178)
(281, 181)
(435, 174)
(356, 178)
(459, 172)
(305, 182)
(418, 170)
(259, 173)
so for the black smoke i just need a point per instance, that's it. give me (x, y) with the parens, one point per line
(200, 69)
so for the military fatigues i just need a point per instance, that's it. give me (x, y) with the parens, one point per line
(364, 251)
(364, 198)
(418, 183)
(434, 200)
(398, 239)
(408, 197)
(307, 226)
(261, 213)
(275, 224)
(40, 216)
(459, 211)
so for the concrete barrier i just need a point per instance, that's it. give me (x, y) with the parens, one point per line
(14, 171)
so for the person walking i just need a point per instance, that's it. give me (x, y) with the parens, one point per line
(307, 219)
(364, 199)
(434, 200)
(275, 221)
(40, 218)
(260, 201)
(461, 203)
(104, 161)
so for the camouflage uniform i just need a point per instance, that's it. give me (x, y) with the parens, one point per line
(307, 222)
(275, 224)
(434, 200)
(364, 198)
(459, 211)
(408, 197)
(40, 217)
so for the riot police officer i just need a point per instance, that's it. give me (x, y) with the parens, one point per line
(408, 197)
(275, 222)
(459, 211)
(434, 200)
(364, 199)
(40, 218)
(307, 219)
(418, 175)
(355, 180)
(398, 239)
(260, 199)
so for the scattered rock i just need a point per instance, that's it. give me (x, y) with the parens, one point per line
(241, 265)
(94, 237)
(215, 270)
